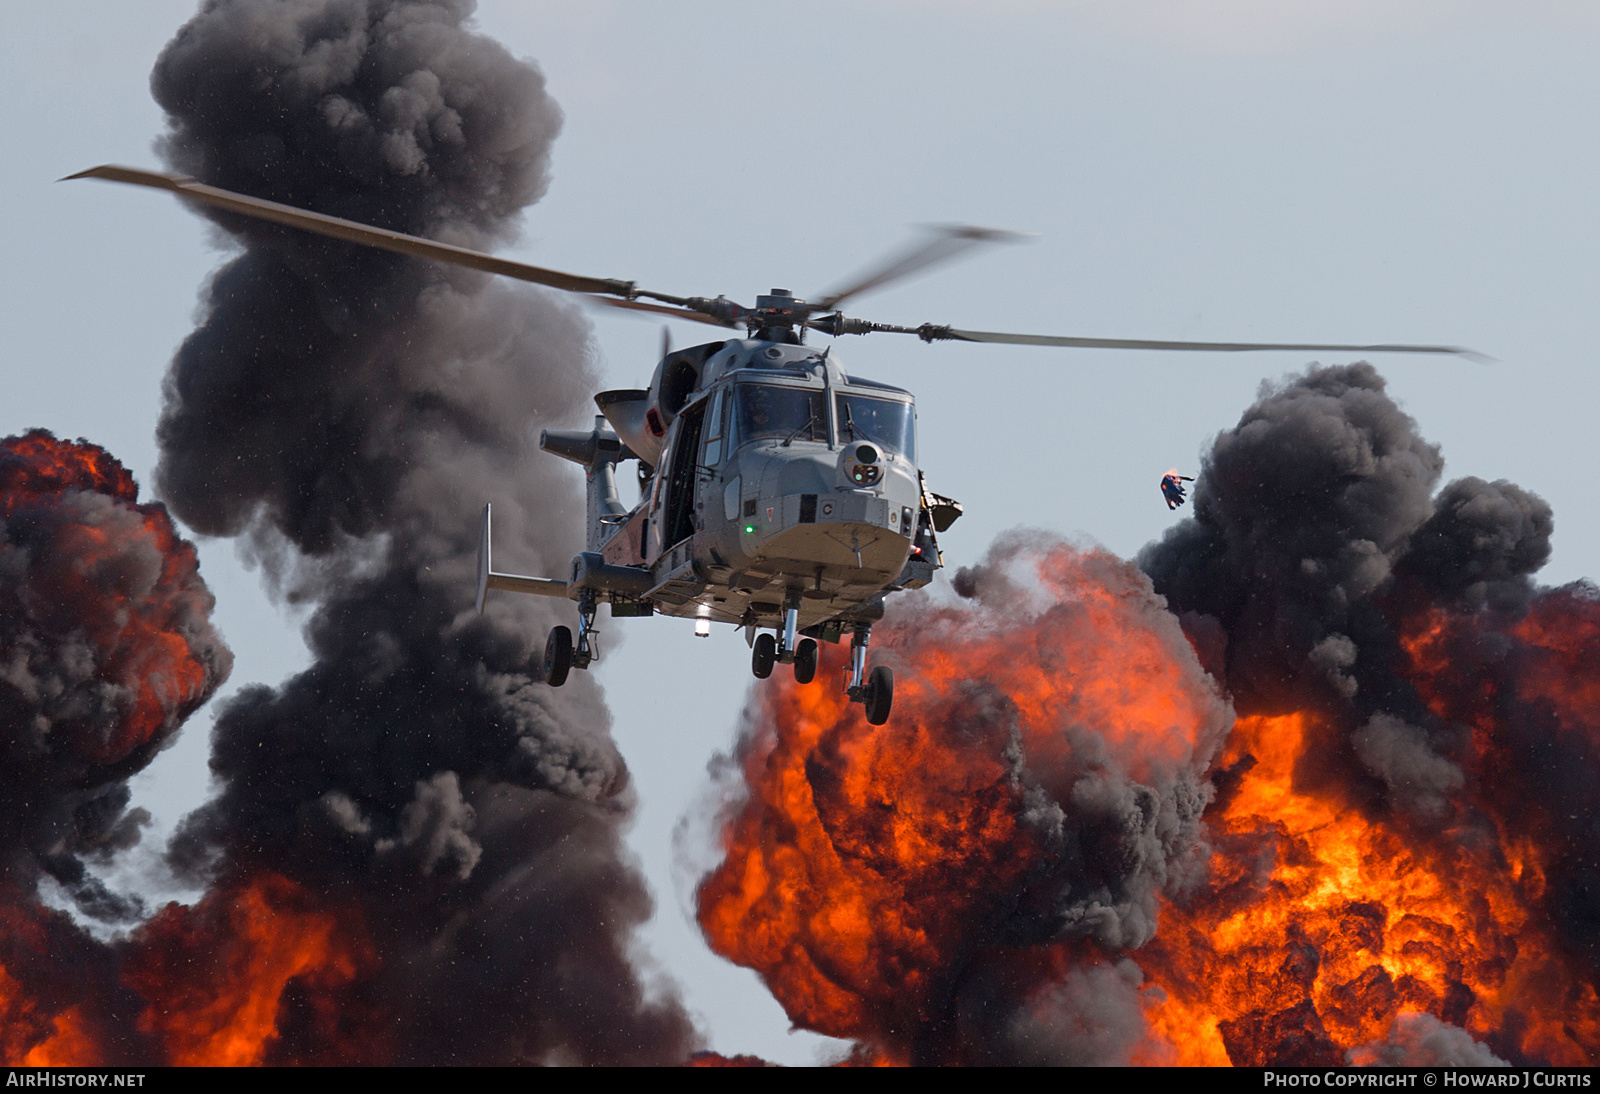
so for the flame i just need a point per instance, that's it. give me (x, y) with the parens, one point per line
(1562, 638)
(44, 467)
(33, 1032)
(108, 646)
(215, 976)
(838, 902)
(89, 576)
(1354, 922)
(68, 1045)
(867, 861)
(1328, 921)
(35, 1040)
(866, 870)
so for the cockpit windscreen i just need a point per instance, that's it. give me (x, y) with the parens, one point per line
(787, 413)
(886, 422)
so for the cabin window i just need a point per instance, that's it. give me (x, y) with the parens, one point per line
(765, 411)
(713, 454)
(887, 423)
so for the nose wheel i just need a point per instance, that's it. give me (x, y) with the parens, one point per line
(763, 655)
(805, 661)
(768, 650)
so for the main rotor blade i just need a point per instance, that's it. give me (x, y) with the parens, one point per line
(659, 309)
(932, 333)
(353, 232)
(948, 242)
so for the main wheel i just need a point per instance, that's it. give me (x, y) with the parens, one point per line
(880, 695)
(557, 656)
(763, 655)
(805, 661)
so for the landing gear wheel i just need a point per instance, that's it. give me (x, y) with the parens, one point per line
(880, 695)
(557, 656)
(805, 661)
(763, 655)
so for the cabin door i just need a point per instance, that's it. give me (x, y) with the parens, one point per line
(677, 513)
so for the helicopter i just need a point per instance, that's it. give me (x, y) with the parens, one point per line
(778, 492)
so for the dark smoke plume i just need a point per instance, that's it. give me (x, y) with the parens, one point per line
(1315, 533)
(347, 412)
(1300, 514)
(1455, 696)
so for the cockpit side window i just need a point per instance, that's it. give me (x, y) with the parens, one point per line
(713, 430)
(785, 413)
(888, 423)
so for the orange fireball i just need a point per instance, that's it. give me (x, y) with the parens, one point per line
(1040, 780)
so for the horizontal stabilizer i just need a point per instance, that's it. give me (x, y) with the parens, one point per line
(538, 586)
(514, 583)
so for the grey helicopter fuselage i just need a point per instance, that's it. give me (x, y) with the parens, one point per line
(771, 480)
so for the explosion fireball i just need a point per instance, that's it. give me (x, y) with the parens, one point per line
(1041, 781)
(106, 646)
(1375, 843)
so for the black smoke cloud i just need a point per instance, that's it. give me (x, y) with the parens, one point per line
(1121, 830)
(347, 412)
(1480, 544)
(1316, 531)
(1318, 544)
(1300, 514)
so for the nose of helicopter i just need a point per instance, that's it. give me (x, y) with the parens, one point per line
(826, 543)
(821, 514)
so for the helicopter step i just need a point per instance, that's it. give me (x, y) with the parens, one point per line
(679, 579)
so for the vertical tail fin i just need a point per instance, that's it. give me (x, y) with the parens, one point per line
(483, 558)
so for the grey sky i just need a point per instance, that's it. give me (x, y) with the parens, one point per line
(1244, 169)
